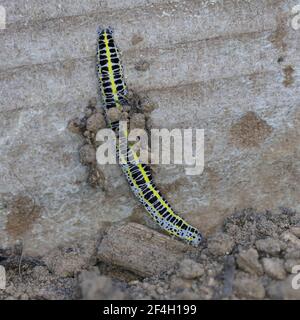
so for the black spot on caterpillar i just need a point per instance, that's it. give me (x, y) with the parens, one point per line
(138, 175)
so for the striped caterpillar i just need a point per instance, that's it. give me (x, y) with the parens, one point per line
(110, 71)
(138, 175)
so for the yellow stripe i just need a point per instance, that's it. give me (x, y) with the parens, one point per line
(150, 186)
(156, 194)
(148, 203)
(110, 69)
(152, 189)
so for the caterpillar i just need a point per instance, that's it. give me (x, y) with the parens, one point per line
(141, 182)
(110, 70)
(137, 174)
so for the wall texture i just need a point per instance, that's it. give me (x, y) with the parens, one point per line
(230, 67)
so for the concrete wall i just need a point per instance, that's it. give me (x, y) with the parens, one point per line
(229, 67)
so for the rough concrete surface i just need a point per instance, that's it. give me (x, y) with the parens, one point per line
(230, 67)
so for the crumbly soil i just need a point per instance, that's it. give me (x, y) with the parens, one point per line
(251, 257)
(95, 119)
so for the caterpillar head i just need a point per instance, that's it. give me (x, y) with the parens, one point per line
(107, 30)
(196, 238)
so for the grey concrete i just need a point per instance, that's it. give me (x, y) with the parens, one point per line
(212, 65)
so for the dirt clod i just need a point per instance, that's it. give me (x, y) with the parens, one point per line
(247, 260)
(189, 269)
(95, 122)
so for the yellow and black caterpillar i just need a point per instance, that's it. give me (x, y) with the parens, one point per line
(113, 89)
(110, 70)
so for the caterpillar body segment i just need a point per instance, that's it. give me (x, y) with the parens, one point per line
(110, 70)
(141, 182)
(114, 92)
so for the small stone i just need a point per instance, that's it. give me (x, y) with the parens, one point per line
(220, 244)
(87, 154)
(274, 268)
(148, 106)
(113, 114)
(75, 125)
(95, 122)
(268, 245)
(160, 290)
(291, 239)
(250, 288)
(292, 253)
(150, 288)
(86, 133)
(247, 260)
(289, 264)
(189, 269)
(295, 231)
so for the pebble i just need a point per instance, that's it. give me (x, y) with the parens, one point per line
(220, 244)
(274, 268)
(269, 245)
(247, 260)
(291, 239)
(292, 253)
(250, 288)
(290, 263)
(114, 114)
(95, 122)
(75, 125)
(189, 269)
(160, 290)
(295, 231)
